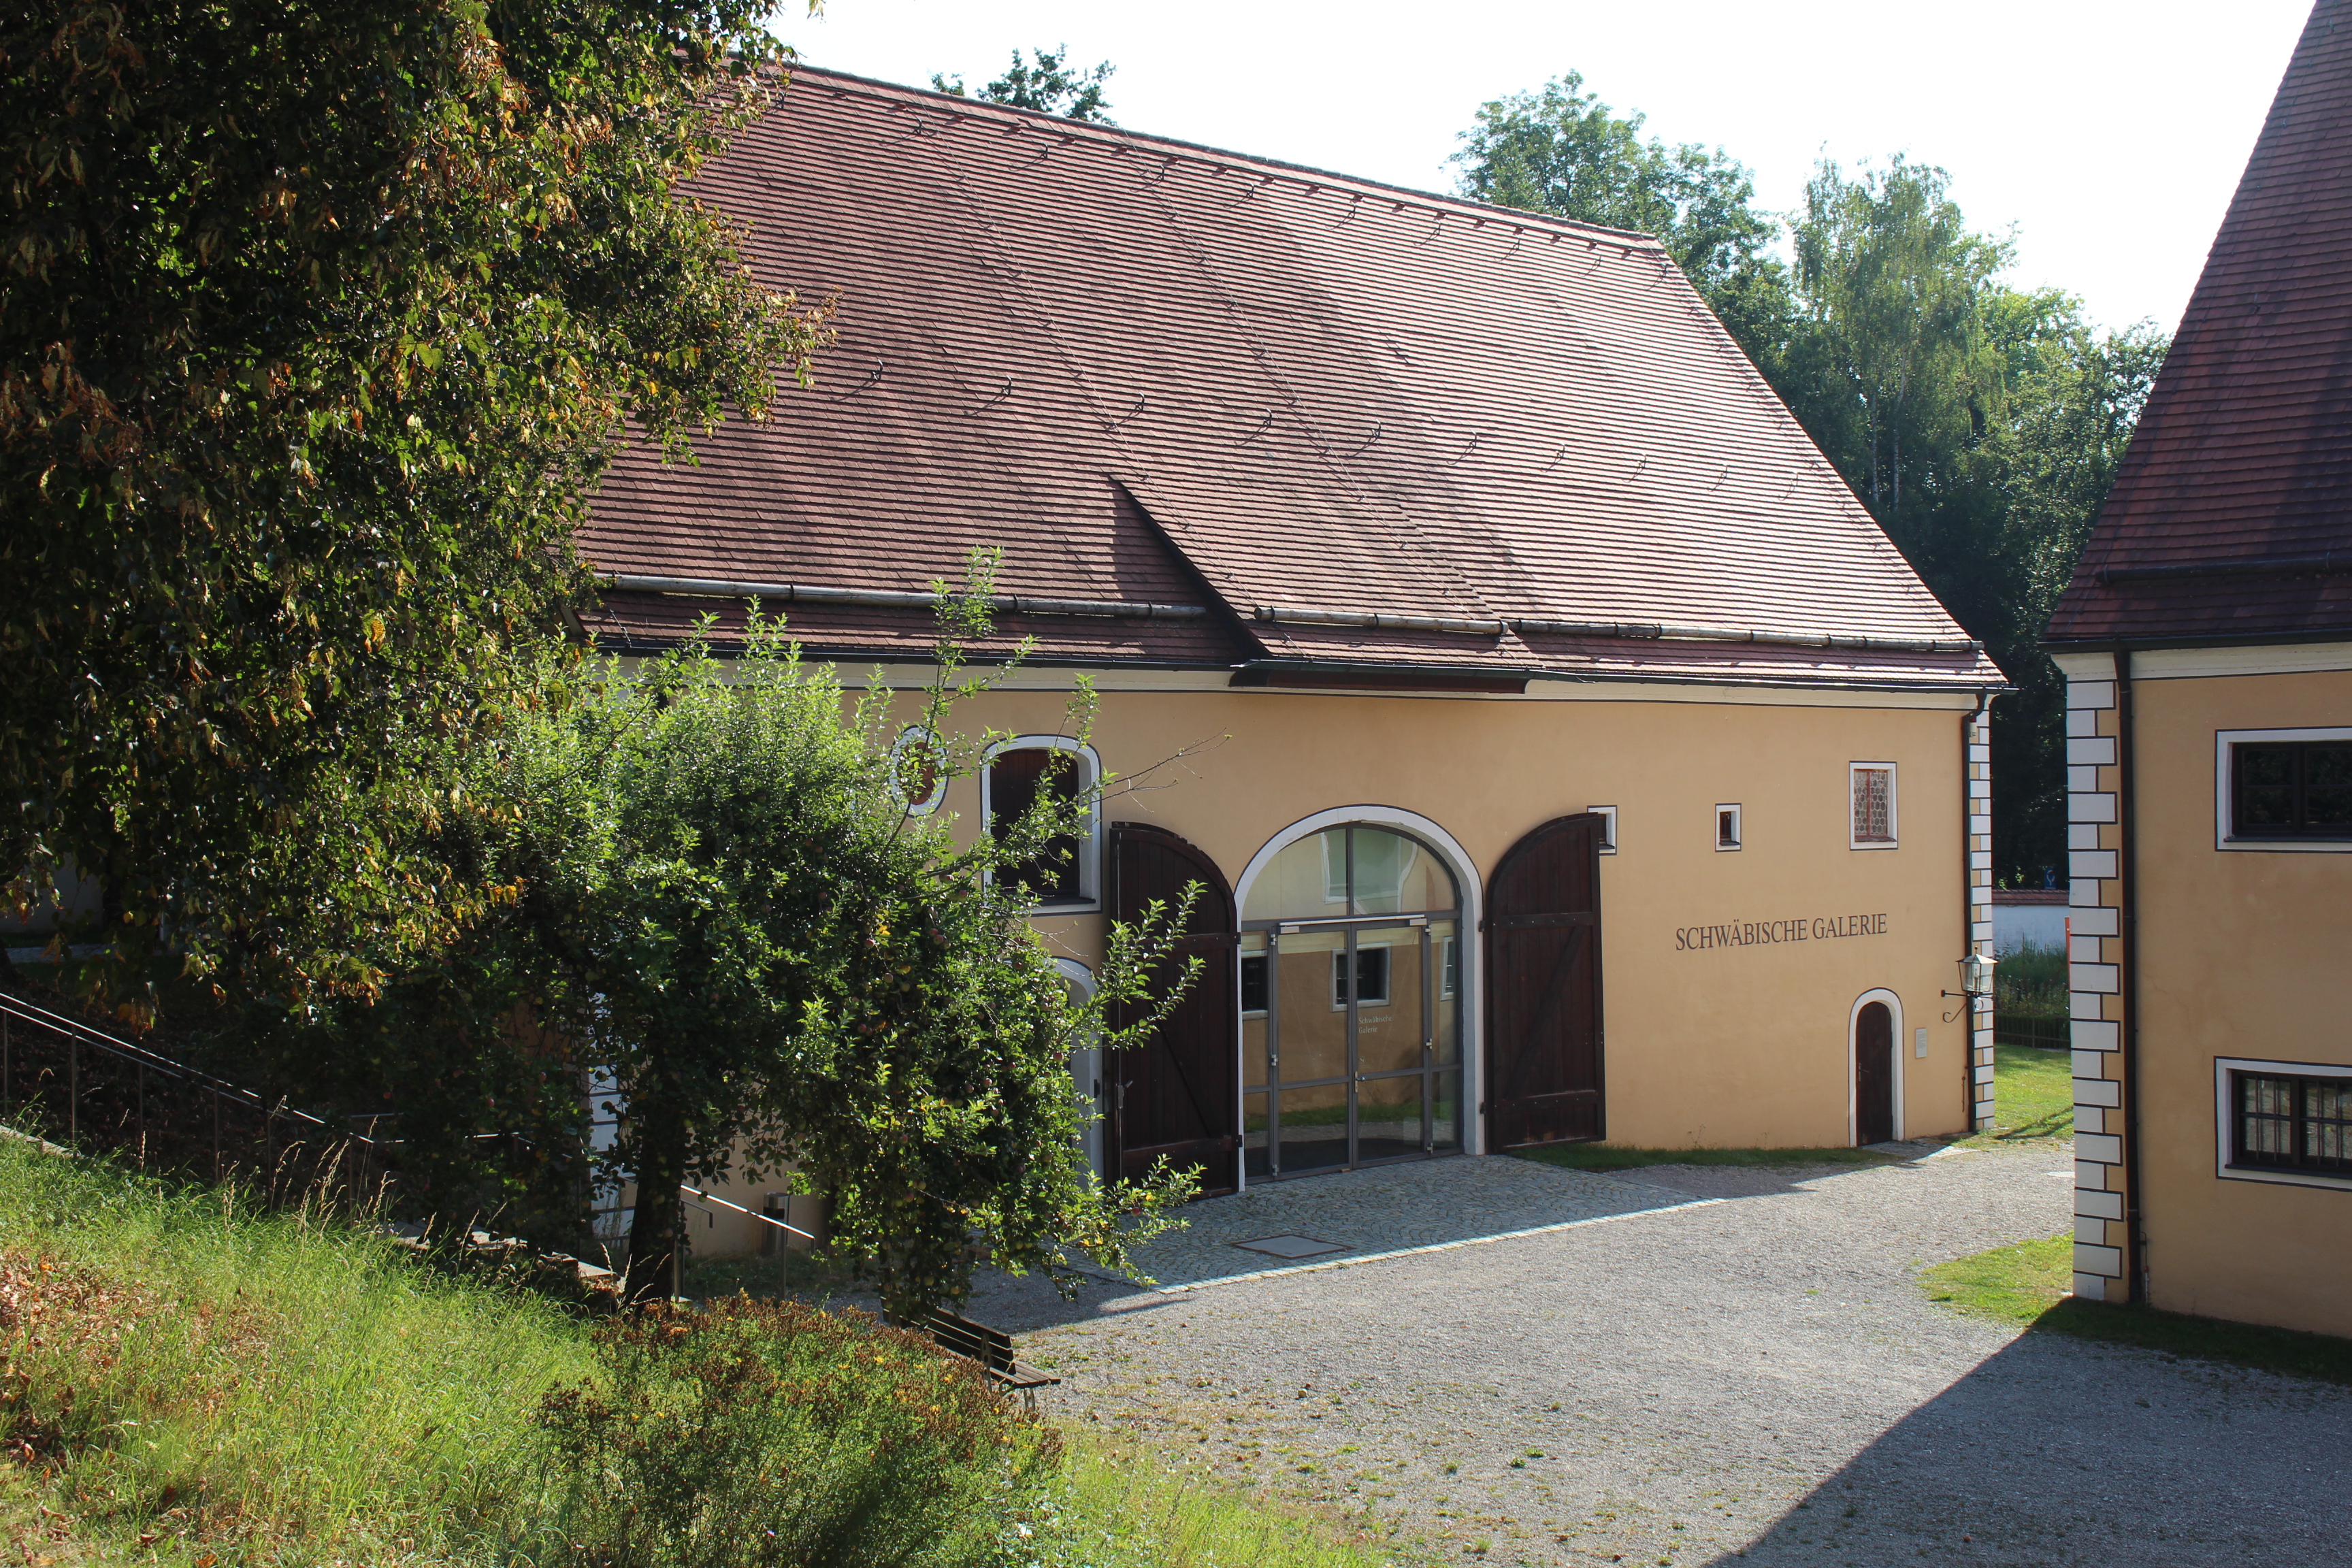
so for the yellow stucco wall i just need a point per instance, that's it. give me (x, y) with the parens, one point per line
(1717, 1047)
(2245, 954)
(1712, 1047)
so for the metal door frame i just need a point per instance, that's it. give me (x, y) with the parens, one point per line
(1428, 1072)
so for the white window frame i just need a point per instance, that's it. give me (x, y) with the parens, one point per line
(912, 735)
(2225, 1116)
(1090, 842)
(1264, 956)
(1388, 971)
(1738, 828)
(2223, 806)
(1853, 1076)
(1893, 795)
(1608, 816)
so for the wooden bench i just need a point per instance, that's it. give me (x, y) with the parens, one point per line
(990, 1348)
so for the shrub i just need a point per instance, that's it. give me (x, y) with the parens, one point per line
(772, 1434)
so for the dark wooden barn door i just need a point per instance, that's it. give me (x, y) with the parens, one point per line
(1174, 1097)
(1543, 988)
(1874, 1074)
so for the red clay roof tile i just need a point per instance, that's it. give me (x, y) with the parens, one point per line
(2237, 489)
(1149, 370)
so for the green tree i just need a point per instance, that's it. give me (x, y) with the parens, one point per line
(2075, 394)
(318, 322)
(1980, 424)
(1046, 85)
(713, 896)
(1892, 285)
(1564, 152)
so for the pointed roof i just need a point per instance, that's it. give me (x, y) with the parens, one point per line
(1317, 421)
(2231, 514)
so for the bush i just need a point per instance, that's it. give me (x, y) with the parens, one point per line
(184, 1380)
(2032, 982)
(772, 1434)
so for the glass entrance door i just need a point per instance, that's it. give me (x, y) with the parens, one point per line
(1350, 1019)
(1352, 1058)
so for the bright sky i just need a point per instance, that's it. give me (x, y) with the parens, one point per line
(2110, 132)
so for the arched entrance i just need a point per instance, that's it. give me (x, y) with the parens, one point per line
(1544, 1078)
(1351, 1001)
(1875, 1070)
(1174, 1097)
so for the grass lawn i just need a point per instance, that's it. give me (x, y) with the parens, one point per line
(2027, 1286)
(2033, 1094)
(186, 1381)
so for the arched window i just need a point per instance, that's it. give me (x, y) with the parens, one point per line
(1066, 875)
(1351, 1000)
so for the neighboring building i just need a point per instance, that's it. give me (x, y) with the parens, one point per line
(1521, 649)
(2032, 917)
(2207, 641)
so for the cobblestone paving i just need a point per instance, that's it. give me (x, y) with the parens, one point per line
(1388, 1208)
(1753, 1378)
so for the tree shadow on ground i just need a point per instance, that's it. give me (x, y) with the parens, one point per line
(2058, 1450)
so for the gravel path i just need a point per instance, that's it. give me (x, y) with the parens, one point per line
(1756, 1377)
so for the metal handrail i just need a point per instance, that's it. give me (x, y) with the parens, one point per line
(200, 1120)
(150, 1061)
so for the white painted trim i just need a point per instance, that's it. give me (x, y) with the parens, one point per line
(1090, 856)
(2223, 1110)
(2089, 666)
(1738, 828)
(1894, 1050)
(1894, 839)
(915, 676)
(1607, 814)
(2225, 738)
(1088, 1060)
(1466, 879)
(2266, 659)
(910, 735)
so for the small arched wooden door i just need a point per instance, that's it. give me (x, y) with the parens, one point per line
(1174, 1097)
(1543, 988)
(1874, 1074)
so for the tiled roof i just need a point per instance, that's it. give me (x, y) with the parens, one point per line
(1153, 373)
(2232, 515)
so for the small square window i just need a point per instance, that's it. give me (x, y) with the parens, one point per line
(2281, 1123)
(2283, 790)
(1608, 816)
(1371, 978)
(1253, 983)
(1871, 789)
(1727, 827)
(2292, 790)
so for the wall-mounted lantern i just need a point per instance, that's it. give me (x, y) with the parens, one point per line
(1975, 974)
(1976, 983)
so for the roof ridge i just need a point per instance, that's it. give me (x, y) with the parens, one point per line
(1088, 129)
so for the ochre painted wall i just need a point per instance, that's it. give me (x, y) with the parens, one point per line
(1716, 1046)
(2241, 954)
(1722, 1048)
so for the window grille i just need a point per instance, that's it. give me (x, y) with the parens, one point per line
(2294, 1123)
(1874, 805)
(1371, 978)
(2302, 789)
(1060, 873)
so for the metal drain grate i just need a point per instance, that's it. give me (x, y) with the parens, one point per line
(1291, 1246)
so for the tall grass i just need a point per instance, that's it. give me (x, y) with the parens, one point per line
(266, 1380)
(183, 1379)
